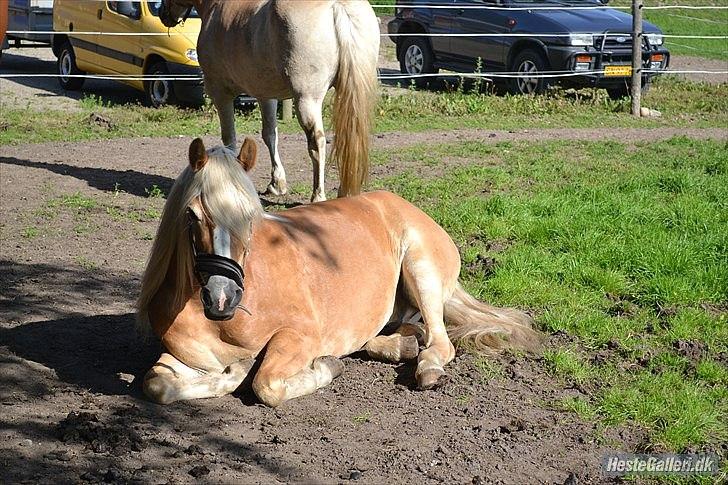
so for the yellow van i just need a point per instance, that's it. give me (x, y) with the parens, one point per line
(164, 56)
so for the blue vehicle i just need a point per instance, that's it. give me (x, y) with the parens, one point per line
(596, 42)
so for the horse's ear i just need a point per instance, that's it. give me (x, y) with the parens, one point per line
(198, 154)
(248, 154)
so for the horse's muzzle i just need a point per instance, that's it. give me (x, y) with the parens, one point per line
(220, 298)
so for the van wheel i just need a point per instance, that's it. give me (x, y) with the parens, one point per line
(159, 92)
(528, 63)
(67, 67)
(416, 57)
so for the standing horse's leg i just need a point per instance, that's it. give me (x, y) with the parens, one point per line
(225, 105)
(269, 110)
(289, 370)
(309, 115)
(170, 380)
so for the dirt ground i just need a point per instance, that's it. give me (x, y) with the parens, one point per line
(71, 407)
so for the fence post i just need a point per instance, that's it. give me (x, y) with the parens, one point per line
(287, 110)
(636, 85)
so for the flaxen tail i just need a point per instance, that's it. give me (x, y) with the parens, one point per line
(357, 31)
(483, 327)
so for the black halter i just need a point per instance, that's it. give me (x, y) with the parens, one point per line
(207, 265)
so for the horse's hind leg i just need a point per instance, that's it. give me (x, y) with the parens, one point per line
(170, 380)
(269, 110)
(289, 370)
(309, 115)
(425, 286)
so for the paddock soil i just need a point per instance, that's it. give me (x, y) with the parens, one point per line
(77, 220)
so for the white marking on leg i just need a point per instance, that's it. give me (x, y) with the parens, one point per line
(268, 109)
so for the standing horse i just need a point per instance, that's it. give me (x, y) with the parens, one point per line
(309, 285)
(278, 49)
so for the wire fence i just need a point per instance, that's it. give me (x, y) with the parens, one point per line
(394, 36)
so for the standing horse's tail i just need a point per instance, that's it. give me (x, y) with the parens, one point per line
(484, 327)
(357, 32)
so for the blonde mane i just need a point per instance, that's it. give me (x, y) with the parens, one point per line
(230, 200)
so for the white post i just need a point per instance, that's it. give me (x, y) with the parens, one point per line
(636, 88)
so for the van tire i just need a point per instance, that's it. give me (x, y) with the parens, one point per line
(159, 93)
(416, 58)
(66, 66)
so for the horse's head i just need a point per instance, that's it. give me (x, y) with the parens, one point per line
(219, 224)
(172, 12)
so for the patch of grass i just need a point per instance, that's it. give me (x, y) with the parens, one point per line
(76, 201)
(154, 192)
(682, 104)
(30, 232)
(362, 418)
(488, 368)
(86, 263)
(622, 246)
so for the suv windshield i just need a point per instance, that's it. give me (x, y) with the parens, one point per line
(154, 7)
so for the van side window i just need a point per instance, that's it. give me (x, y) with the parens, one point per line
(128, 8)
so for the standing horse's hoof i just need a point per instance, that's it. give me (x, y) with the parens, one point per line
(431, 379)
(277, 189)
(318, 197)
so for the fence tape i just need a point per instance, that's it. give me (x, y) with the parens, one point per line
(474, 75)
(596, 7)
(414, 34)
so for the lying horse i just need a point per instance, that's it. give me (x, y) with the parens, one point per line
(278, 49)
(226, 282)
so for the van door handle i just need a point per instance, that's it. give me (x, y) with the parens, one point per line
(100, 14)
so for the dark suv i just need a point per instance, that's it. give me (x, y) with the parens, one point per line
(596, 42)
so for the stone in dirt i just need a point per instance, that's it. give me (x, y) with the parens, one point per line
(199, 471)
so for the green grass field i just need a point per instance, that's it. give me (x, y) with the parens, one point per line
(623, 248)
(682, 103)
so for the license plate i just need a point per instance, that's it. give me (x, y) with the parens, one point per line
(617, 71)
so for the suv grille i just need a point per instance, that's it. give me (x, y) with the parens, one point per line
(613, 41)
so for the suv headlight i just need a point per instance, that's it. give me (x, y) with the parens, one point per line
(581, 39)
(191, 54)
(654, 39)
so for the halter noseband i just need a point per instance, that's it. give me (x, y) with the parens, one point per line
(207, 265)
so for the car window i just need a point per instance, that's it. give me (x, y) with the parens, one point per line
(154, 7)
(127, 8)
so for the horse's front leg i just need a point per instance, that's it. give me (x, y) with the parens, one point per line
(291, 369)
(225, 105)
(309, 115)
(170, 380)
(269, 110)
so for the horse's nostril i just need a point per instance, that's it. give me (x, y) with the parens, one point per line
(206, 297)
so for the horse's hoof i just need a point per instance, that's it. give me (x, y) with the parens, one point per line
(409, 348)
(334, 364)
(276, 189)
(431, 379)
(318, 198)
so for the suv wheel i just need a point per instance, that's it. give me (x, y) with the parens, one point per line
(528, 63)
(416, 57)
(159, 92)
(67, 67)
